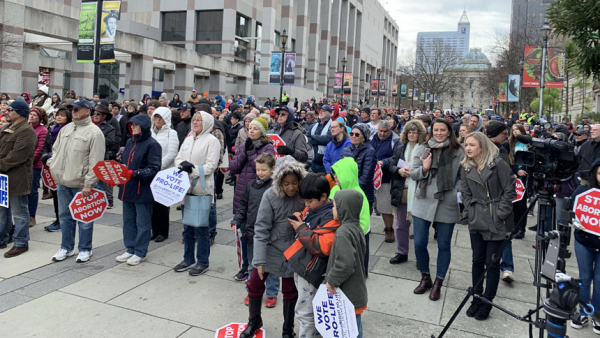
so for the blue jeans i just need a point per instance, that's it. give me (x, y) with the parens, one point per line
(444, 239)
(19, 209)
(68, 225)
(272, 279)
(589, 272)
(507, 263)
(189, 239)
(359, 321)
(244, 246)
(34, 194)
(137, 226)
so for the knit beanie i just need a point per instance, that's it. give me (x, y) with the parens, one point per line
(21, 107)
(261, 124)
(364, 130)
(494, 128)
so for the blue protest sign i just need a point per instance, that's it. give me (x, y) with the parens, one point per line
(4, 191)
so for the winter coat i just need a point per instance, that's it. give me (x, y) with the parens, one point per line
(118, 136)
(487, 198)
(316, 139)
(17, 145)
(167, 138)
(293, 138)
(273, 233)
(384, 151)
(109, 140)
(333, 152)
(364, 155)
(47, 102)
(430, 208)
(123, 126)
(346, 171)
(345, 269)
(249, 205)
(201, 150)
(183, 129)
(243, 165)
(40, 133)
(352, 119)
(219, 103)
(588, 153)
(175, 103)
(142, 155)
(309, 254)
(79, 146)
(233, 131)
(218, 133)
(397, 180)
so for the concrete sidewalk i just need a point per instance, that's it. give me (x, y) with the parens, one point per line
(102, 298)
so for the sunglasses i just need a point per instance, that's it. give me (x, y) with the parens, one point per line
(10, 109)
(355, 134)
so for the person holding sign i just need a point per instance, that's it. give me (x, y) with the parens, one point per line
(488, 189)
(17, 144)
(142, 156)
(587, 251)
(288, 130)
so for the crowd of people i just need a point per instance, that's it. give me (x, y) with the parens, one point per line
(302, 208)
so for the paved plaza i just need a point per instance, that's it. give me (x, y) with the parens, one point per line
(103, 298)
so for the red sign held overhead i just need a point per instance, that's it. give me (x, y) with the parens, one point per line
(48, 180)
(520, 188)
(110, 172)
(88, 209)
(378, 176)
(587, 210)
(234, 330)
(277, 141)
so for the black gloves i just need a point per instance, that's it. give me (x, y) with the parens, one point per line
(285, 150)
(186, 166)
(45, 157)
(249, 144)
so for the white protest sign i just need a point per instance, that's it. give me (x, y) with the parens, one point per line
(169, 186)
(334, 314)
(3, 191)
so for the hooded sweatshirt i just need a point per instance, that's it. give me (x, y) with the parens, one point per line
(346, 261)
(346, 171)
(166, 137)
(220, 103)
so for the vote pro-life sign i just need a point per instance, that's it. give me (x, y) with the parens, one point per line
(169, 186)
(3, 191)
(334, 314)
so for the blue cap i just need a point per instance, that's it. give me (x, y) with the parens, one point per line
(21, 107)
(327, 107)
(81, 103)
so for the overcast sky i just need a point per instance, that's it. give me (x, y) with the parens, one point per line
(486, 18)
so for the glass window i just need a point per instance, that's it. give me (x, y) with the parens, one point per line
(108, 81)
(242, 26)
(209, 27)
(66, 82)
(257, 46)
(277, 39)
(242, 49)
(208, 49)
(173, 27)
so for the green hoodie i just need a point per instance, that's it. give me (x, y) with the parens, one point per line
(346, 171)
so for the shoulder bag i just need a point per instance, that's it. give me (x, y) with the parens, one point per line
(196, 209)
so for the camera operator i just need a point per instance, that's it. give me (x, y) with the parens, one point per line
(588, 153)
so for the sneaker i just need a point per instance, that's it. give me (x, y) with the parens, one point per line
(55, 226)
(580, 322)
(246, 300)
(183, 266)
(198, 270)
(135, 260)
(62, 254)
(530, 214)
(110, 206)
(271, 302)
(124, 257)
(377, 212)
(507, 276)
(242, 275)
(596, 326)
(84, 256)
(219, 196)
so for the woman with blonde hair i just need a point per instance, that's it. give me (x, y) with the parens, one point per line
(488, 189)
(463, 132)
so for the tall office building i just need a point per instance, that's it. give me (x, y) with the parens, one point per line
(455, 42)
(527, 16)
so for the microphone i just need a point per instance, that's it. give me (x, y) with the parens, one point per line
(526, 139)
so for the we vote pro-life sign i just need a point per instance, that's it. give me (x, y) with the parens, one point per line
(334, 314)
(169, 186)
(3, 191)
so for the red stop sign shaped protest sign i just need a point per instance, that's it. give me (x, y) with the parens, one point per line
(520, 188)
(234, 330)
(378, 176)
(88, 209)
(277, 141)
(587, 210)
(48, 180)
(110, 172)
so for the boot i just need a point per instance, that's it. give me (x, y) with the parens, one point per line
(435, 290)
(389, 234)
(47, 194)
(475, 304)
(424, 285)
(31, 221)
(255, 320)
(483, 312)
(288, 319)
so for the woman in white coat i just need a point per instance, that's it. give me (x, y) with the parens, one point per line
(167, 138)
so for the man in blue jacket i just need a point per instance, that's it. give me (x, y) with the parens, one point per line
(318, 136)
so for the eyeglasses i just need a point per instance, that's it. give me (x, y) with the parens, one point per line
(10, 109)
(355, 134)
(196, 120)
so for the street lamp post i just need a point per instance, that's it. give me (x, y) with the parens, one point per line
(520, 87)
(378, 79)
(344, 62)
(545, 33)
(400, 95)
(284, 38)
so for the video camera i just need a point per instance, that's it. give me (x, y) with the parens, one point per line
(548, 158)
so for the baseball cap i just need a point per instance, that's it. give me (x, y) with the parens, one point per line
(184, 106)
(327, 108)
(80, 103)
(582, 132)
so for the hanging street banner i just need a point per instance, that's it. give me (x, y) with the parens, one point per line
(382, 87)
(289, 71)
(110, 15)
(44, 77)
(275, 69)
(415, 94)
(426, 97)
(337, 84)
(87, 30)
(434, 98)
(422, 97)
(532, 67)
(374, 87)
(502, 96)
(514, 87)
(347, 83)
(403, 90)
(394, 90)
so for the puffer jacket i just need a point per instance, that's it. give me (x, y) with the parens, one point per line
(273, 233)
(201, 150)
(109, 140)
(243, 165)
(384, 151)
(142, 155)
(17, 144)
(333, 152)
(249, 204)
(79, 146)
(293, 138)
(243, 133)
(183, 129)
(40, 132)
(397, 180)
(364, 155)
(166, 137)
(487, 198)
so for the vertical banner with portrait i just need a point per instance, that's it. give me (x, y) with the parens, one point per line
(289, 70)
(87, 30)
(415, 94)
(394, 90)
(337, 84)
(275, 69)
(44, 77)
(382, 87)
(110, 16)
(403, 90)
(502, 96)
(347, 83)
(374, 85)
(514, 87)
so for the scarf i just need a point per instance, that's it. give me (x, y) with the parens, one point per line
(257, 144)
(441, 168)
(55, 131)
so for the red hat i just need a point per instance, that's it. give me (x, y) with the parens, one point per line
(272, 113)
